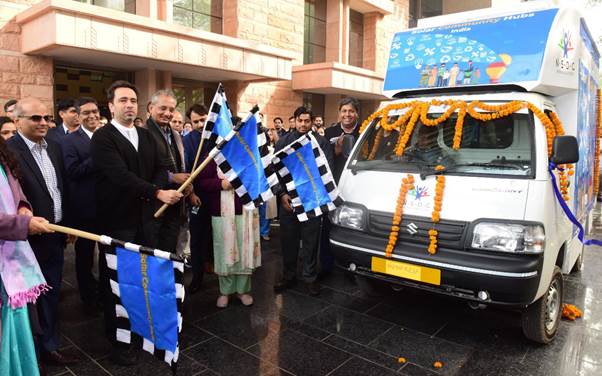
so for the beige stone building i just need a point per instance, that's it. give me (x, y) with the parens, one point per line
(278, 54)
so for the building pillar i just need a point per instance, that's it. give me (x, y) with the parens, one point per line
(370, 40)
(331, 109)
(230, 18)
(146, 82)
(147, 8)
(164, 80)
(334, 31)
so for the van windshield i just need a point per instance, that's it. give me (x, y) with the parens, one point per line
(497, 147)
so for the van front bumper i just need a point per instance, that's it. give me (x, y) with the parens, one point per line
(507, 278)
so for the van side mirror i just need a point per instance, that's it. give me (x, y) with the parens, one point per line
(565, 149)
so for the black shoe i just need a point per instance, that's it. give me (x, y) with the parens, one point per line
(123, 357)
(313, 288)
(195, 285)
(284, 284)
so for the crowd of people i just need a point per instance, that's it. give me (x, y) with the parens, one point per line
(110, 179)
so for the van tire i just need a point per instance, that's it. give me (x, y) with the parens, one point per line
(541, 319)
(370, 287)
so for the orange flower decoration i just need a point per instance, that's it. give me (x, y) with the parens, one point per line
(570, 312)
(438, 364)
(402, 360)
(436, 214)
(407, 184)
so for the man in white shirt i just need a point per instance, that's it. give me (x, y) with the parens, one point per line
(130, 181)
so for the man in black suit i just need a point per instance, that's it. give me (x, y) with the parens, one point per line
(130, 175)
(81, 205)
(67, 109)
(41, 165)
(292, 231)
(171, 151)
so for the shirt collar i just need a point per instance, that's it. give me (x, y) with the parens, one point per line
(65, 128)
(31, 144)
(123, 127)
(87, 132)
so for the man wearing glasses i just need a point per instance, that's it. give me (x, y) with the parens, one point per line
(201, 244)
(42, 175)
(81, 204)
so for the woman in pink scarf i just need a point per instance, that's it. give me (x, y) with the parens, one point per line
(21, 280)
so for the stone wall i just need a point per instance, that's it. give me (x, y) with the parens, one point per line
(20, 75)
(275, 23)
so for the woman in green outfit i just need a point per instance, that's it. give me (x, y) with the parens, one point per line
(236, 242)
(21, 280)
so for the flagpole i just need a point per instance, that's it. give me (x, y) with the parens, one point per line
(198, 150)
(188, 181)
(106, 240)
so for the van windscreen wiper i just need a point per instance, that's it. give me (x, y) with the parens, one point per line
(507, 166)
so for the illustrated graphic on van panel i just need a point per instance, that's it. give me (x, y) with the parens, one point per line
(496, 50)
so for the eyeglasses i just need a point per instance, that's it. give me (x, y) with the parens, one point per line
(38, 118)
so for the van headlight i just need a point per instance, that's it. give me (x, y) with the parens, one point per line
(509, 237)
(353, 217)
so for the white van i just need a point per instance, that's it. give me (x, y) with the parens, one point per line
(503, 237)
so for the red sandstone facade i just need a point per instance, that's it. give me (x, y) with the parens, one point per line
(49, 48)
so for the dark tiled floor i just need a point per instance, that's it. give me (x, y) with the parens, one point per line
(343, 332)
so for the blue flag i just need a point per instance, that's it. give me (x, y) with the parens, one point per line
(219, 120)
(244, 159)
(304, 171)
(149, 293)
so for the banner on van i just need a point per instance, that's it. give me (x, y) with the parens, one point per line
(498, 50)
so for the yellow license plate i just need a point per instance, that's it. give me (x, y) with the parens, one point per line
(404, 270)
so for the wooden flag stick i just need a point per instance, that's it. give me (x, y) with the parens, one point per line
(106, 240)
(188, 181)
(198, 150)
(74, 232)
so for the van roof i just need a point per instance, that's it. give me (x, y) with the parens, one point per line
(540, 50)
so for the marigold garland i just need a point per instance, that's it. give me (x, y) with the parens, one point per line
(415, 110)
(407, 184)
(436, 215)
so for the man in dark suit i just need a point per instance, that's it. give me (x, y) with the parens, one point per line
(130, 175)
(347, 129)
(201, 242)
(42, 174)
(67, 109)
(171, 151)
(81, 205)
(292, 231)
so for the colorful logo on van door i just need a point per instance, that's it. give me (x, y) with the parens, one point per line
(419, 193)
(566, 45)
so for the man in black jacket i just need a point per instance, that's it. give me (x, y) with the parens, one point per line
(129, 179)
(171, 152)
(292, 231)
(81, 204)
(347, 130)
(42, 174)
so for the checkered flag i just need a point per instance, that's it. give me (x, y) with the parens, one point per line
(243, 157)
(219, 120)
(148, 289)
(303, 170)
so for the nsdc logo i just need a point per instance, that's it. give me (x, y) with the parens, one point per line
(565, 63)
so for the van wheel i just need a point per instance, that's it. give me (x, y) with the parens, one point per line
(370, 286)
(541, 319)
